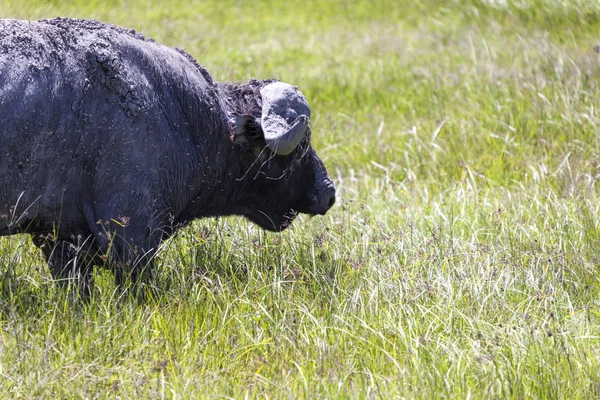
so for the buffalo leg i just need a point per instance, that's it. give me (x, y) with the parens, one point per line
(132, 265)
(129, 242)
(136, 266)
(68, 263)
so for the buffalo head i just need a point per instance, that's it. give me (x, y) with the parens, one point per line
(281, 174)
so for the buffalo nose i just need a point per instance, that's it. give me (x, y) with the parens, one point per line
(326, 200)
(331, 198)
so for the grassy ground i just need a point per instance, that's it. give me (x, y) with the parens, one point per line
(461, 259)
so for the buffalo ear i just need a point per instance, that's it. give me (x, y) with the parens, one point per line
(246, 128)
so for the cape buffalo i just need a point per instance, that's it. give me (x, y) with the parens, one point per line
(110, 142)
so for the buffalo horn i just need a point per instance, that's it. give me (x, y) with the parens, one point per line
(285, 116)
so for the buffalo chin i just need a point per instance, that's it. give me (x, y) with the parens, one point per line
(271, 222)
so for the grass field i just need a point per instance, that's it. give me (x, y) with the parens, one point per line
(461, 258)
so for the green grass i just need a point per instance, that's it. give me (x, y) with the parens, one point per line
(461, 259)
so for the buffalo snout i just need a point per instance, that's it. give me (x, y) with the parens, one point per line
(324, 199)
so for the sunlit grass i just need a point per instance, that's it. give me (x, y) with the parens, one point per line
(461, 258)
